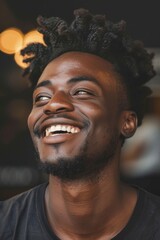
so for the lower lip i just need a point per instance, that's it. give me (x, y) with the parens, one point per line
(58, 138)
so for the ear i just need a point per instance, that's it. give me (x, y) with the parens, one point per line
(128, 123)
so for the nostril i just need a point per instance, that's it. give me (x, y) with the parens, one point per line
(62, 109)
(47, 112)
(58, 110)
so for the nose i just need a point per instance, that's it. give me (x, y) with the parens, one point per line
(60, 102)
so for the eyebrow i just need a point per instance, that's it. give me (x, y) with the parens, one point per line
(84, 78)
(43, 84)
(72, 80)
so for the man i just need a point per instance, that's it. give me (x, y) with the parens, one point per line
(88, 81)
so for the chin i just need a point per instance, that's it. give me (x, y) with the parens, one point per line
(77, 168)
(64, 168)
(85, 165)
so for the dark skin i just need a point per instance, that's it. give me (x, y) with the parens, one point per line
(74, 89)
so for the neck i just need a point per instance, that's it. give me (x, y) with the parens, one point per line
(88, 209)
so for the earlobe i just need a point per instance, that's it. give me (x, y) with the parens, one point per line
(128, 124)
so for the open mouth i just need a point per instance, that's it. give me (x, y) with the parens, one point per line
(60, 129)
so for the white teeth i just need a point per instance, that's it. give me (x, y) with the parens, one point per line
(50, 131)
(72, 130)
(68, 129)
(57, 128)
(64, 128)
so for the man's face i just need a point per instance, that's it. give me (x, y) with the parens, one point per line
(75, 118)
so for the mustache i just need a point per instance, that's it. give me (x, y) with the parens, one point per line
(38, 131)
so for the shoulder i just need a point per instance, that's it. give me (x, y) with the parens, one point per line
(150, 199)
(21, 202)
(151, 208)
(24, 195)
(20, 215)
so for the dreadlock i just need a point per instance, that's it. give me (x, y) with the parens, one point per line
(97, 35)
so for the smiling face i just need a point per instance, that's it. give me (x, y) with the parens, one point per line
(76, 118)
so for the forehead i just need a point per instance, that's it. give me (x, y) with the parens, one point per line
(79, 63)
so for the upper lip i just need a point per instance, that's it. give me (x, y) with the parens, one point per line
(59, 121)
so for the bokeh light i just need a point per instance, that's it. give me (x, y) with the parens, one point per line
(33, 36)
(30, 37)
(19, 60)
(11, 40)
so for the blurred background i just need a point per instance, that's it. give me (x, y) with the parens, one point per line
(18, 168)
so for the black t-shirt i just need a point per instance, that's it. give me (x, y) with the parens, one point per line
(23, 218)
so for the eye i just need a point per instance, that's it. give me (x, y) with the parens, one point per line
(83, 92)
(41, 99)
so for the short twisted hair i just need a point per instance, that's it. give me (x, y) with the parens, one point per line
(96, 35)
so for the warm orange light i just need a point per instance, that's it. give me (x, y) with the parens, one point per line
(19, 60)
(11, 40)
(33, 37)
(30, 37)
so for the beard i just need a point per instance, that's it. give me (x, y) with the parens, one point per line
(83, 166)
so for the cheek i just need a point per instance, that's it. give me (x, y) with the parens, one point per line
(105, 121)
(32, 119)
(29, 121)
(99, 119)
